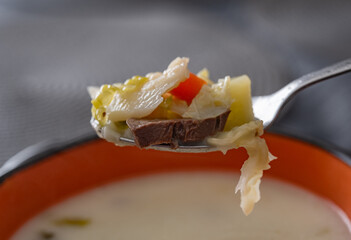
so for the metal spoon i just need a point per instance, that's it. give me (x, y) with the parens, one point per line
(268, 107)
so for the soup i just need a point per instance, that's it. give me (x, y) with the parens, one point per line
(197, 205)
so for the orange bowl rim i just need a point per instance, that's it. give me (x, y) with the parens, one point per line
(41, 151)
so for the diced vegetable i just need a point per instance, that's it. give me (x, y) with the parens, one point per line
(241, 108)
(188, 89)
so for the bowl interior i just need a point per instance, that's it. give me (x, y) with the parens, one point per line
(97, 162)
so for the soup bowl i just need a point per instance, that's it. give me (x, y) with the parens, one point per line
(44, 175)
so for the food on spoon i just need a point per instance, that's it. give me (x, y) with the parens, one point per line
(178, 107)
(175, 94)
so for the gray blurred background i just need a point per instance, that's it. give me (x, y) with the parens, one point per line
(51, 50)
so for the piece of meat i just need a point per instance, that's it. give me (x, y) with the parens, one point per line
(151, 132)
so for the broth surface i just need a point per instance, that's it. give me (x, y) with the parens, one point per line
(196, 205)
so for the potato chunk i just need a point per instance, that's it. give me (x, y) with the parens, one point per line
(241, 108)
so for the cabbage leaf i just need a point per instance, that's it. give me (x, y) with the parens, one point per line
(138, 104)
(247, 136)
(211, 101)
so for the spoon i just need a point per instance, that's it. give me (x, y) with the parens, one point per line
(268, 107)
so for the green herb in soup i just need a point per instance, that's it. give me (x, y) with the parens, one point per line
(72, 222)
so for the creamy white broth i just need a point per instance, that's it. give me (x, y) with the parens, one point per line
(197, 205)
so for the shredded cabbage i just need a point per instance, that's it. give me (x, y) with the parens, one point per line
(204, 74)
(247, 136)
(138, 104)
(93, 91)
(211, 101)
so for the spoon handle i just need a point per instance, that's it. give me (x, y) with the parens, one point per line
(332, 71)
(268, 107)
